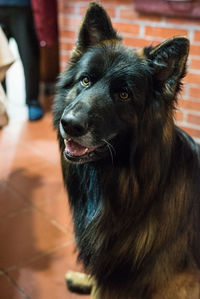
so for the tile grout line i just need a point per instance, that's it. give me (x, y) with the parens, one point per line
(52, 220)
(46, 216)
(37, 257)
(37, 152)
(34, 207)
(17, 212)
(12, 281)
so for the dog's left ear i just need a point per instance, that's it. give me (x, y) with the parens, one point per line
(168, 61)
(96, 27)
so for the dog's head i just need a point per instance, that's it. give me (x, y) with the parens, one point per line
(107, 89)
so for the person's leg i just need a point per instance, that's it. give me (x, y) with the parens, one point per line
(4, 24)
(23, 30)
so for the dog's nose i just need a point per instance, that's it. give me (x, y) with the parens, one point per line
(74, 126)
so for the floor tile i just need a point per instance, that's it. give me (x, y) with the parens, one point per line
(38, 130)
(58, 210)
(18, 157)
(36, 223)
(37, 185)
(48, 149)
(10, 201)
(46, 275)
(9, 290)
(27, 235)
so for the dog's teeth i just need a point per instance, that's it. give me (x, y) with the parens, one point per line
(66, 140)
(86, 150)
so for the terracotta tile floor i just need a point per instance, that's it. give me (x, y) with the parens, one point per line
(36, 236)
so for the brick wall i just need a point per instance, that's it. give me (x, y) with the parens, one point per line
(139, 30)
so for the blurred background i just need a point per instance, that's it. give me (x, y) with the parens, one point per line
(36, 235)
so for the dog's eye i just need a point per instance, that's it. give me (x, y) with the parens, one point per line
(86, 81)
(124, 95)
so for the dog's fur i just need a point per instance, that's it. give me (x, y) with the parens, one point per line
(136, 200)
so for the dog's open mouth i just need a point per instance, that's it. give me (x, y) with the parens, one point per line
(75, 149)
(78, 153)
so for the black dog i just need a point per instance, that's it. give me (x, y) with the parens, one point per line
(132, 176)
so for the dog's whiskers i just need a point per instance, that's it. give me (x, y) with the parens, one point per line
(111, 149)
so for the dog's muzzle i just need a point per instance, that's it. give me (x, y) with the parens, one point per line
(74, 126)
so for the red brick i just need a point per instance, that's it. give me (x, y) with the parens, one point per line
(192, 78)
(182, 21)
(111, 12)
(128, 13)
(67, 34)
(194, 92)
(64, 57)
(136, 42)
(195, 64)
(126, 28)
(192, 132)
(67, 46)
(82, 9)
(69, 22)
(86, 1)
(66, 9)
(178, 116)
(188, 104)
(197, 36)
(164, 32)
(131, 14)
(117, 2)
(194, 119)
(194, 50)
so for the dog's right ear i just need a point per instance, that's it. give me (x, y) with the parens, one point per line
(96, 27)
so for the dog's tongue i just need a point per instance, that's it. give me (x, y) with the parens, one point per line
(75, 149)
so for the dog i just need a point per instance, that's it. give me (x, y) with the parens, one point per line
(132, 176)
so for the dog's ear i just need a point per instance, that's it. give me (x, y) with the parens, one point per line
(96, 27)
(168, 61)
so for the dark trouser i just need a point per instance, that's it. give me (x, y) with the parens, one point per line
(17, 22)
